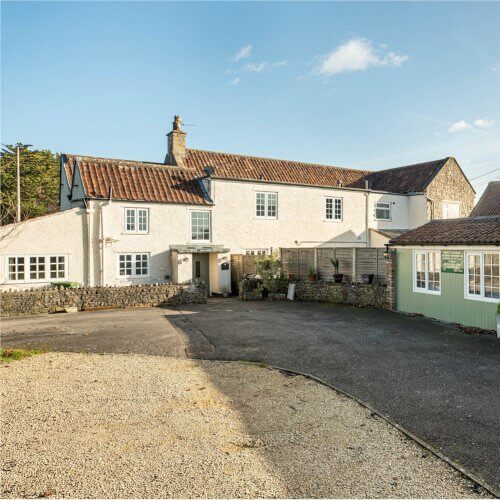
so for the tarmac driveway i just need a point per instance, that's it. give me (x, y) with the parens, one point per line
(433, 379)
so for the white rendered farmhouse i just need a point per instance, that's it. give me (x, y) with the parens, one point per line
(124, 222)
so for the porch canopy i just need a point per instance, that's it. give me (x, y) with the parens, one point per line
(198, 248)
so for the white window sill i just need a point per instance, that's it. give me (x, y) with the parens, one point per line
(333, 220)
(428, 292)
(134, 232)
(481, 299)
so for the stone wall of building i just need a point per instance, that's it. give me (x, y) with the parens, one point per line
(450, 184)
(36, 301)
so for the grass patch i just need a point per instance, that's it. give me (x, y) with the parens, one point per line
(8, 355)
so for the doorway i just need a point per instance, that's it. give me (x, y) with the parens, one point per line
(200, 268)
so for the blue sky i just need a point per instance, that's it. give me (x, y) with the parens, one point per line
(364, 85)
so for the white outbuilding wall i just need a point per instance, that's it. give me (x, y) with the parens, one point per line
(60, 234)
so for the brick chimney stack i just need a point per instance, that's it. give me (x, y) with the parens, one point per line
(176, 143)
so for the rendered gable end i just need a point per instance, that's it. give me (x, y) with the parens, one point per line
(449, 184)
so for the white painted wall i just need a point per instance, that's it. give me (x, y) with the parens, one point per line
(300, 222)
(301, 217)
(417, 211)
(62, 233)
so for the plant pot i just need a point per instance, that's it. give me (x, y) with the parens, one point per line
(338, 277)
(312, 277)
(367, 278)
(291, 277)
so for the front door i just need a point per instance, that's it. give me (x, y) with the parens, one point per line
(200, 268)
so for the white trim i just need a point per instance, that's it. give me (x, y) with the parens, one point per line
(383, 203)
(191, 210)
(133, 276)
(426, 290)
(334, 198)
(136, 220)
(26, 278)
(481, 296)
(266, 205)
(450, 202)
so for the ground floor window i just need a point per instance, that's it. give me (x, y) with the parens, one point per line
(482, 279)
(427, 271)
(256, 251)
(37, 267)
(133, 265)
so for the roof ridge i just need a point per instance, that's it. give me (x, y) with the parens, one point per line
(412, 165)
(280, 159)
(135, 162)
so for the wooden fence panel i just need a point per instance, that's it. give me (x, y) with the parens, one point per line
(345, 262)
(305, 261)
(241, 265)
(325, 267)
(371, 261)
(290, 260)
(353, 262)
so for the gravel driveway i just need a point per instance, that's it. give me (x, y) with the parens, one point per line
(87, 425)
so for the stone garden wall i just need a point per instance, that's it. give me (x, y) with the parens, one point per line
(36, 301)
(382, 295)
(374, 295)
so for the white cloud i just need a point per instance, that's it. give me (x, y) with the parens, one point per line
(459, 126)
(256, 68)
(484, 123)
(243, 53)
(280, 64)
(235, 81)
(357, 54)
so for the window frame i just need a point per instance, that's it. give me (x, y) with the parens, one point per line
(191, 212)
(27, 268)
(135, 211)
(266, 215)
(256, 252)
(426, 290)
(448, 203)
(333, 218)
(389, 205)
(134, 274)
(481, 297)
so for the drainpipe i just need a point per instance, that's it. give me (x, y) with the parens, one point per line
(367, 205)
(88, 214)
(103, 238)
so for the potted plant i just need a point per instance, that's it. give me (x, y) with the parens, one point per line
(367, 278)
(337, 277)
(311, 274)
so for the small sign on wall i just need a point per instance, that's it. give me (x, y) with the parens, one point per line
(452, 261)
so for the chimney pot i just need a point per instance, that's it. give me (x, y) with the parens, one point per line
(176, 143)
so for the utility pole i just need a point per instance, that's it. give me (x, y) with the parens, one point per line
(18, 147)
(18, 191)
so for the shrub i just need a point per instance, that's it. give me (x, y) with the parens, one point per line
(270, 270)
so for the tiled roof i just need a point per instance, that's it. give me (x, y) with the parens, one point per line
(470, 231)
(408, 179)
(489, 203)
(137, 181)
(232, 166)
(143, 181)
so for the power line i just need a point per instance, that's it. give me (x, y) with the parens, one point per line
(490, 172)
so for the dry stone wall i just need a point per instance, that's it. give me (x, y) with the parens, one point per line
(37, 301)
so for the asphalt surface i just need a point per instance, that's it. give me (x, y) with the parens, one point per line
(118, 331)
(435, 380)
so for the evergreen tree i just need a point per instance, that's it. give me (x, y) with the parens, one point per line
(39, 183)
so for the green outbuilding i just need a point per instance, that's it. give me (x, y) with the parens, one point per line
(450, 270)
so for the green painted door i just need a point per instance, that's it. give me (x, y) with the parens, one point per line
(200, 268)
